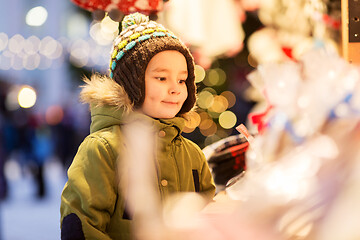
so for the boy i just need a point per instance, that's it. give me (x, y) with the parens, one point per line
(152, 80)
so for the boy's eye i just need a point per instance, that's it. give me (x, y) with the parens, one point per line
(182, 81)
(161, 78)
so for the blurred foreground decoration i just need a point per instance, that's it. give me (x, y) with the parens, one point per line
(306, 161)
(294, 27)
(302, 173)
(226, 159)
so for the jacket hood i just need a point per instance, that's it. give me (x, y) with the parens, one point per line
(101, 90)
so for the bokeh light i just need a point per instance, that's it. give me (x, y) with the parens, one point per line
(3, 41)
(105, 31)
(50, 48)
(29, 54)
(12, 170)
(208, 127)
(213, 114)
(11, 100)
(199, 73)
(220, 104)
(109, 27)
(231, 98)
(215, 77)
(204, 115)
(205, 99)
(32, 45)
(6, 60)
(26, 97)
(54, 115)
(192, 122)
(31, 62)
(205, 122)
(227, 119)
(36, 16)
(16, 43)
(79, 53)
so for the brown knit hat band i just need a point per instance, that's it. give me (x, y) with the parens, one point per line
(133, 49)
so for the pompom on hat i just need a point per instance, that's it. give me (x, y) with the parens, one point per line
(140, 40)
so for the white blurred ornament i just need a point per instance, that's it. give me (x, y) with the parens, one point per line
(291, 29)
(211, 27)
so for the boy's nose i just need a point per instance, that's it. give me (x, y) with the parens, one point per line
(174, 88)
(174, 91)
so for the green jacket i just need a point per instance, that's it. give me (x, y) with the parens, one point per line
(92, 204)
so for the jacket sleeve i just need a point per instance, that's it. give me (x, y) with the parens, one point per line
(88, 198)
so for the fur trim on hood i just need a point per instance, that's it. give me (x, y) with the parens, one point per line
(101, 90)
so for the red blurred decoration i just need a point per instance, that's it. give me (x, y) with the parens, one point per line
(125, 6)
(332, 22)
(288, 52)
(259, 119)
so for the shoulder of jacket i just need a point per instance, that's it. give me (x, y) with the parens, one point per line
(110, 137)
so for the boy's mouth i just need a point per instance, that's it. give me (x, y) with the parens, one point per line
(170, 102)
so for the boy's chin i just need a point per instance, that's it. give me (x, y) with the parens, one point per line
(163, 115)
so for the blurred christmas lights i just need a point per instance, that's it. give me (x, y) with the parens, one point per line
(36, 16)
(26, 97)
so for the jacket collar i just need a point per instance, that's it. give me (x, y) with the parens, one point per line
(106, 116)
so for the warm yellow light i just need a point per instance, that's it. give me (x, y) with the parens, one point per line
(192, 122)
(208, 127)
(199, 73)
(227, 119)
(36, 16)
(27, 97)
(213, 114)
(215, 77)
(205, 124)
(204, 115)
(219, 105)
(231, 98)
(205, 99)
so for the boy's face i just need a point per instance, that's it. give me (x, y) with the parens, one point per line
(165, 87)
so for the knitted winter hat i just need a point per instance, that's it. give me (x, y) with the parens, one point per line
(139, 41)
